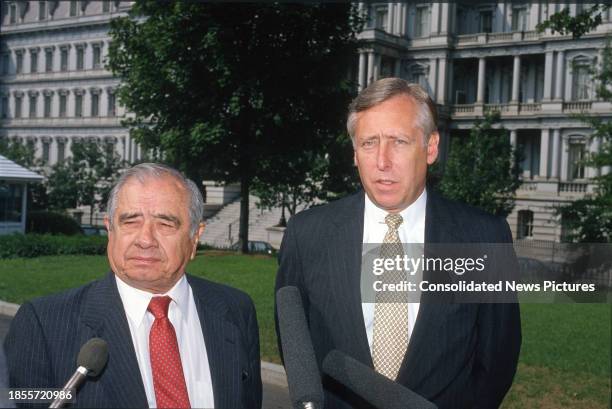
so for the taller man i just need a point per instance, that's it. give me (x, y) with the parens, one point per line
(456, 355)
(174, 340)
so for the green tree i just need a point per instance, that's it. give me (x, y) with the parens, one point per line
(84, 179)
(488, 158)
(236, 93)
(590, 219)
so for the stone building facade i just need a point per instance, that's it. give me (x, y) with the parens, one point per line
(489, 56)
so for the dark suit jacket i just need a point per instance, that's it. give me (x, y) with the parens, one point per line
(459, 355)
(47, 333)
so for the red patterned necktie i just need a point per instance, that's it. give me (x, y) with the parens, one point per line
(168, 378)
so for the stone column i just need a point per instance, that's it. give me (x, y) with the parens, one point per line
(362, 79)
(441, 85)
(556, 147)
(435, 18)
(481, 80)
(544, 153)
(370, 74)
(564, 158)
(516, 79)
(513, 138)
(445, 18)
(548, 76)
(593, 147)
(390, 14)
(560, 75)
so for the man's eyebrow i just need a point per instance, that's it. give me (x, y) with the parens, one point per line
(168, 217)
(127, 216)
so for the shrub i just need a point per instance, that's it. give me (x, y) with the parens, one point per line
(43, 222)
(36, 245)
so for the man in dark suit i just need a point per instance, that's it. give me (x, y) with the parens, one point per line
(174, 340)
(458, 355)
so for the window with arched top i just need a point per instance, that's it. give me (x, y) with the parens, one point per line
(525, 224)
(581, 78)
(575, 159)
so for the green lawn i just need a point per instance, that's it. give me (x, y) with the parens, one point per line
(565, 356)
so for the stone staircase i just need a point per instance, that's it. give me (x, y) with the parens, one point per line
(222, 228)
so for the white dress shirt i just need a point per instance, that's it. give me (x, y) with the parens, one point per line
(183, 315)
(412, 230)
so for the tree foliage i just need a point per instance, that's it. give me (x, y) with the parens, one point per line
(240, 93)
(585, 21)
(482, 169)
(84, 179)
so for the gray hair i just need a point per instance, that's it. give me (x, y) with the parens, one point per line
(157, 171)
(387, 88)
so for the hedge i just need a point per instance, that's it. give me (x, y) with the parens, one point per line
(44, 222)
(36, 245)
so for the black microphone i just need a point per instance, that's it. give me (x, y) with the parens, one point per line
(91, 361)
(375, 388)
(303, 374)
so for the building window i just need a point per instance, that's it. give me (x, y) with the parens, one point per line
(387, 67)
(105, 6)
(33, 61)
(486, 21)
(46, 146)
(422, 22)
(5, 107)
(61, 151)
(381, 15)
(48, 60)
(519, 19)
(47, 106)
(581, 80)
(78, 105)
(64, 59)
(95, 104)
(5, 64)
(19, 62)
(80, 58)
(111, 105)
(529, 145)
(11, 196)
(33, 101)
(42, 10)
(73, 8)
(62, 105)
(18, 105)
(97, 52)
(109, 148)
(575, 161)
(12, 13)
(525, 224)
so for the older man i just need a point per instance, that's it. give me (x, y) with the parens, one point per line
(456, 355)
(174, 340)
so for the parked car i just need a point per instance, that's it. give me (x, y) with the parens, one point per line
(90, 230)
(261, 247)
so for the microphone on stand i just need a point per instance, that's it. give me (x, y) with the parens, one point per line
(91, 361)
(375, 388)
(301, 366)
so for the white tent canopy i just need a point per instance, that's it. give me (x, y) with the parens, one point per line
(12, 172)
(14, 180)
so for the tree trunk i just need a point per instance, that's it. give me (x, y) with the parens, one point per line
(244, 213)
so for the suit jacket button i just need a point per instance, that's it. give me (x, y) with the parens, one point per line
(245, 375)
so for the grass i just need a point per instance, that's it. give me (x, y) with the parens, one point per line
(565, 356)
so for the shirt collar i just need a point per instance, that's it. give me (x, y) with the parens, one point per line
(410, 215)
(136, 301)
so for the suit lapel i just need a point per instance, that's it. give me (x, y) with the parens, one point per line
(345, 254)
(220, 337)
(104, 315)
(439, 228)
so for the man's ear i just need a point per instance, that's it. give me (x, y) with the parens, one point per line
(107, 223)
(432, 147)
(196, 240)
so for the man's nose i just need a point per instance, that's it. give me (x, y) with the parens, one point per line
(383, 158)
(146, 235)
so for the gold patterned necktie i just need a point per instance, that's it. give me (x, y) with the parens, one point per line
(390, 339)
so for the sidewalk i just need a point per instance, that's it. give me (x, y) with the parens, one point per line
(275, 392)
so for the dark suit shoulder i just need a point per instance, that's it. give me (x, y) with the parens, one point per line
(329, 212)
(473, 223)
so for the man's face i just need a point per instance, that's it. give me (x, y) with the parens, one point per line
(391, 154)
(149, 243)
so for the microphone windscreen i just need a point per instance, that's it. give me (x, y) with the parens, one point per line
(93, 356)
(375, 388)
(303, 374)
